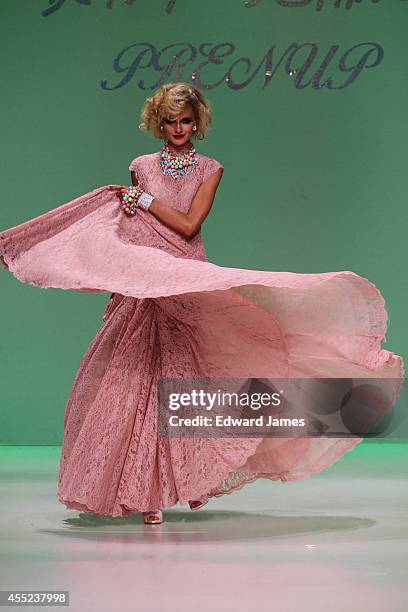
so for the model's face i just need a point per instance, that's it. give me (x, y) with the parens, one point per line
(178, 129)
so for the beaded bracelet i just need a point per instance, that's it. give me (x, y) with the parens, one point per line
(134, 197)
(130, 198)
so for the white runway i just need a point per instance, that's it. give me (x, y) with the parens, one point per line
(336, 541)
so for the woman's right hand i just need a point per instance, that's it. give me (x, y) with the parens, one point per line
(135, 183)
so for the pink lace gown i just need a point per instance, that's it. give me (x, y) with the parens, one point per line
(174, 314)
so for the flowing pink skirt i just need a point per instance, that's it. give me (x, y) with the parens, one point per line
(173, 317)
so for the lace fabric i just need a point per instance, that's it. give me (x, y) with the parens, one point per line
(172, 313)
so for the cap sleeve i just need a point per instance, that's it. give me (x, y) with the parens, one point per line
(211, 166)
(133, 166)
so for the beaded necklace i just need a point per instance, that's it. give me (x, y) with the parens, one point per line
(178, 165)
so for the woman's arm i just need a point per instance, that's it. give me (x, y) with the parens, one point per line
(187, 224)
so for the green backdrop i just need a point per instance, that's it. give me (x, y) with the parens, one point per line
(315, 170)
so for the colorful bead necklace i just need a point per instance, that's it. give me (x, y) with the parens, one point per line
(178, 165)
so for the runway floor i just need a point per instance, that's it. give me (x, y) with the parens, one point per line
(336, 541)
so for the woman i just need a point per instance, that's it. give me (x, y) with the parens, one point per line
(174, 315)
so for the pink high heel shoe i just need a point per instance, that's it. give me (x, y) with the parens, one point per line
(198, 503)
(153, 517)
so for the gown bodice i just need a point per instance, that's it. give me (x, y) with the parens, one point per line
(144, 229)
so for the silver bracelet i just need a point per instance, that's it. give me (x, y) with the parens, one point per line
(145, 200)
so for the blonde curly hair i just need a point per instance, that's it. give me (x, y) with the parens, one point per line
(171, 99)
